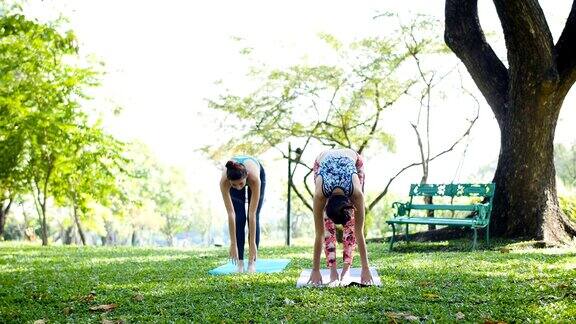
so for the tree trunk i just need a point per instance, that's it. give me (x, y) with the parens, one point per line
(67, 235)
(29, 234)
(110, 238)
(526, 98)
(427, 199)
(40, 201)
(44, 225)
(134, 239)
(3, 214)
(526, 203)
(77, 221)
(2, 221)
(429, 213)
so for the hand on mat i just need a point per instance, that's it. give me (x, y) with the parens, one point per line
(345, 275)
(233, 253)
(315, 278)
(333, 275)
(366, 277)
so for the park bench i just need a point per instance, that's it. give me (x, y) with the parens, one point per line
(477, 218)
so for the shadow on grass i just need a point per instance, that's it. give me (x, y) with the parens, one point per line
(430, 292)
(175, 286)
(456, 245)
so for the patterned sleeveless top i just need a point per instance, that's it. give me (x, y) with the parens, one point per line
(336, 172)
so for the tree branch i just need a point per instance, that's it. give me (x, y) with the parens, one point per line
(7, 209)
(528, 40)
(35, 190)
(385, 191)
(422, 157)
(566, 52)
(306, 183)
(466, 133)
(465, 38)
(304, 201)
(297, 161)
(379, 109)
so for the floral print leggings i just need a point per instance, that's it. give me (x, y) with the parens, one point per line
(349, 238)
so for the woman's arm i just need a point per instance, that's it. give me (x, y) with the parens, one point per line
(358, 201)
(225, 190)
(318, 210)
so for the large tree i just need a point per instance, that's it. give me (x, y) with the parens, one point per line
(526, 97)
(34, 90)
(89, 173)
(48, 145)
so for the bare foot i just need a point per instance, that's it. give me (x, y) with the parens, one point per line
(251, 267)
(240, 266)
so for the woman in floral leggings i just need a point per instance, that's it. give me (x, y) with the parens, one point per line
(339, 199)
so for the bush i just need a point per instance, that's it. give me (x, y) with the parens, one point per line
(568, 206)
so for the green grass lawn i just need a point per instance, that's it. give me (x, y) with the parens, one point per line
(421, 282)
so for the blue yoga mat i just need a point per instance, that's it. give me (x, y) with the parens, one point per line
(262, 266)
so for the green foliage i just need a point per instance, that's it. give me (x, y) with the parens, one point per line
(169, 197)
(153, 197)
(60, 284)
(568, 206)
(340, 103)
(89, 172)
(565, 162)
(47, 144)
(334, 105)
(302, 221)
(376, 225)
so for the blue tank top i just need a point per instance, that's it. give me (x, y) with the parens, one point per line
(242, 158)
(336, 172)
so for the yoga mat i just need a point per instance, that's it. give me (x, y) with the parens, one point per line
(352, 280)
(262, 266)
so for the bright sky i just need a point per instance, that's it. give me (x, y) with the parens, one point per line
(163, 57)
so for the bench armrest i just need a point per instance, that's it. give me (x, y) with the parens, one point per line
(483, 211)
(401, 208)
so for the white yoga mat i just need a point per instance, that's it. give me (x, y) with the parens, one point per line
(352, 280)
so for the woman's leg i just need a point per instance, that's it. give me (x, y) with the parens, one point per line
(239, 204)
(330, 247)
(349, 245)
(349, 236)
(260, 202)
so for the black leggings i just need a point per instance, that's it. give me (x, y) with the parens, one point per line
(239, 203)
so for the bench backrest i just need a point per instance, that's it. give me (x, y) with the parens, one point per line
(453, 190)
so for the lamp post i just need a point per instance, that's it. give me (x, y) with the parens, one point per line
(289, 194)
(298, 152)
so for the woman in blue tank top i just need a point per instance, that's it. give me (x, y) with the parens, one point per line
(243, 173)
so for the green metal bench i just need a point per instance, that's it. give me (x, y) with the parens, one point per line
(479, 212)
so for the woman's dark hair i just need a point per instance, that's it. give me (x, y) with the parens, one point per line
(339, 209)
(235, 170)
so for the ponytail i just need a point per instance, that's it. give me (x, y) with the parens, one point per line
(235, 170)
